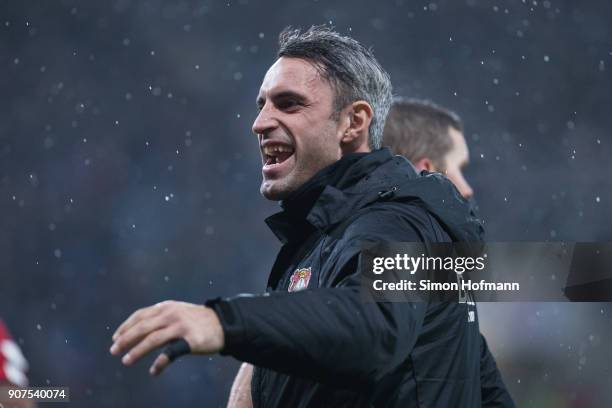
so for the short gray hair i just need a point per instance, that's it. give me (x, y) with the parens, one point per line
(418, 129)
(350, 67)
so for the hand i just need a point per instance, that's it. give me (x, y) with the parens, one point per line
(155, 326)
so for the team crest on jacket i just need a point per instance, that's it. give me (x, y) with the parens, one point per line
(299, 279)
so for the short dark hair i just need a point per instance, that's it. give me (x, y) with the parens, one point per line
(351, 69)
(418, 129)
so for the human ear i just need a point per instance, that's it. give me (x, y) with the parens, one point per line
(424, 164)
(360, 115)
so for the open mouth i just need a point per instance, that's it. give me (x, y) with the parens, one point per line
(275, 154)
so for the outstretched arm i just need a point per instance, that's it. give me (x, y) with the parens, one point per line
(328, 334)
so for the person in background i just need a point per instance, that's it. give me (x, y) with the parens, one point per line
(431, 138)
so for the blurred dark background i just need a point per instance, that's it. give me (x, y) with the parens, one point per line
(129, 175)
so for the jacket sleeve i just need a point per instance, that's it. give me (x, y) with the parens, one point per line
(329, 335)
(493, 391)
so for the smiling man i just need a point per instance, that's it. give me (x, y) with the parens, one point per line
(311, 340)
(299, 129)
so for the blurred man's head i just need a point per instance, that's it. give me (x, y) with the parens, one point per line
(325, 96)
(431, 137)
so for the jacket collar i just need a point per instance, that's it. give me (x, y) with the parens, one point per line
(333, 194)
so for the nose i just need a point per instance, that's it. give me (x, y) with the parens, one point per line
(264, 122)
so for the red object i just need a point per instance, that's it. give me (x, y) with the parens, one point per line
(13, 364)
(299, 279)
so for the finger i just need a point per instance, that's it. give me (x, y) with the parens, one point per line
(176, 348)
(145, 312)
(127, 323)
(136, 333)
(148, 344)
(161, 362)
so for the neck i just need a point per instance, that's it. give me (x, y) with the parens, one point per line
(362, 148)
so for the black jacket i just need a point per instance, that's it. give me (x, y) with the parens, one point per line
(326, 347)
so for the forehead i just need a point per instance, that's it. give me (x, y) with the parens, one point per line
(294, 74)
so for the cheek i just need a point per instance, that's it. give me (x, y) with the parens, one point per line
(453, 175)
(456, 177)
(319, 144)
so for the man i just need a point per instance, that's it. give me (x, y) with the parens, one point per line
(431, 137)
(13, 367)
(312, 339)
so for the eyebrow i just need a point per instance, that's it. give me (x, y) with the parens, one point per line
(282, 95)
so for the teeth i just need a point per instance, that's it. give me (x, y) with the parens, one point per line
(271, 150)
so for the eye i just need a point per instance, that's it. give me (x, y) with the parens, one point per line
(260, 102)
(288, 104)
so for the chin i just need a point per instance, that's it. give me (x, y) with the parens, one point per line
(272, 191)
